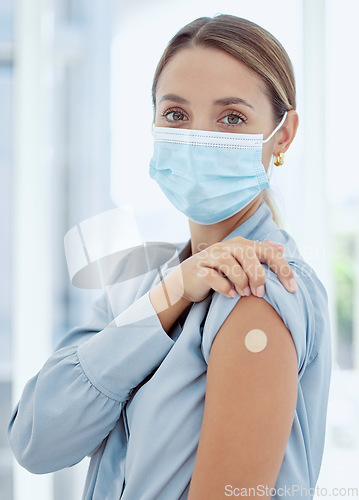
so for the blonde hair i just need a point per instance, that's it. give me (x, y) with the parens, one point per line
(252, 45)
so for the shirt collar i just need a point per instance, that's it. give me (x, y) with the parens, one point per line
(256, 228)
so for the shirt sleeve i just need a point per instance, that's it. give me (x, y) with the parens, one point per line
(296, 310)
(75, 400)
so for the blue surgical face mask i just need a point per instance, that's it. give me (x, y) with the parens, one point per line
(209, 176)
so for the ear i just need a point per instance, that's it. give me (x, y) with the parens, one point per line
(286, 134)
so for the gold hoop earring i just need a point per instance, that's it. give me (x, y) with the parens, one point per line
(279, 159)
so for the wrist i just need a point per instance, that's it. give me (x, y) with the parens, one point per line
(167, 294)
(173, 286)
(168, 301)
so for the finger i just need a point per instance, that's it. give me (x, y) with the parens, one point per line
(247, 257)
(234, 271)
(219, 283)
(279, 265)
(224, 262)
(227, 264)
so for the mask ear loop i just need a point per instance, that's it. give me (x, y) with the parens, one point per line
(277, 128)
(270, 168)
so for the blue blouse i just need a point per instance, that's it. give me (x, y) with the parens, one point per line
(131, 396)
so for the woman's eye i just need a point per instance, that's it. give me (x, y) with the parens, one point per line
(175, 116)
(232, 119)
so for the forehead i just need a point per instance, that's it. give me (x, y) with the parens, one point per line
(210, 72)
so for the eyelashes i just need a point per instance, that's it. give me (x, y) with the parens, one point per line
(231, 118)
(234, 115)
(177, 115)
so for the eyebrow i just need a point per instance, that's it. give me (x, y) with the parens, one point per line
(175, 98)
(233, 100)
(225, 101)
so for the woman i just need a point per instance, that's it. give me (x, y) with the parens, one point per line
(190, 392)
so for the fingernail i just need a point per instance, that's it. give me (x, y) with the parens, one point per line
(260, 291)
(247, 291)
(293, 285)
(232, 293)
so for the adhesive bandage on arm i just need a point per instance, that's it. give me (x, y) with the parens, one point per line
(255, 340)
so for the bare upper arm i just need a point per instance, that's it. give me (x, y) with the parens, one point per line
(249, 406)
